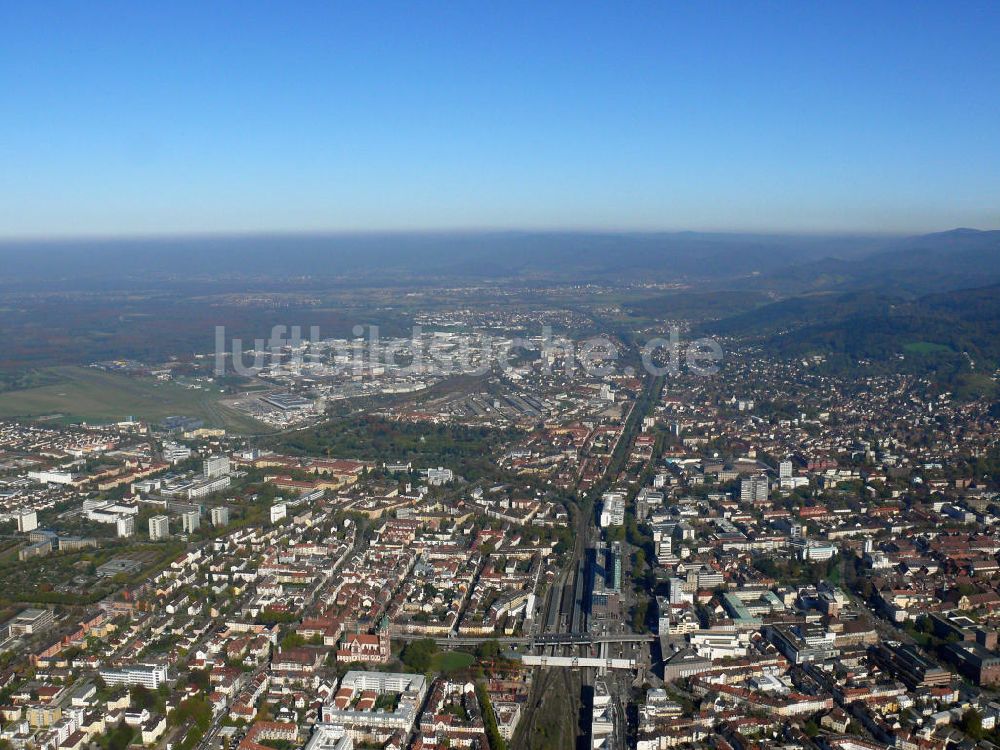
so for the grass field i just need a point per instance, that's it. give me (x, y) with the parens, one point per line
(451, 661)
(927, 347)
(87, 394)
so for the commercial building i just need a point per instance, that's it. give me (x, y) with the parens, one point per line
(975, 661)
(353, 705)
(803, 644)
(288, 402)
(30, 622)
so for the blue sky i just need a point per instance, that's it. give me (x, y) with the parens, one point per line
(140, 118)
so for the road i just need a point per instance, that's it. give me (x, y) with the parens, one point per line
(216, 725)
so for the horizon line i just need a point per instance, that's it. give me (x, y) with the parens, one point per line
(457, 231)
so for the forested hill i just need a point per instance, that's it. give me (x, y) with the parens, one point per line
(947, 334)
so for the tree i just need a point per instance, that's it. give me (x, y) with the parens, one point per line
(118, 738)
(488, 649)
(199, 678)
(197, 710)
(489, 718)
(639, 616)
(142, 697)
(972, 724)
(418, 655)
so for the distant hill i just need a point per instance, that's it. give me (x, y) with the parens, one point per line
(804, 311)
(955, 336)
(298, 261)
(957, 259)
(776, 264)
(947, 260)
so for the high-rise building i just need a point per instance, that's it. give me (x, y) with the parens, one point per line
(159, 528)
(125, 526)
(190, 521)
(215, 466)
(220, 515)
(754, 489)
(785, 470)
(27, 520)
(615, 566)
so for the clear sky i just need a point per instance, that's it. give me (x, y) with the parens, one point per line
(163, 117)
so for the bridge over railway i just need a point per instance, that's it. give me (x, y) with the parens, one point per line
(541, 640)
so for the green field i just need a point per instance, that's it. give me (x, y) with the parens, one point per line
(927, 347)
(451, 661)
(86, 394)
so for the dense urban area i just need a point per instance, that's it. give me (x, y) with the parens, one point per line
(775, 554)
(499, 376)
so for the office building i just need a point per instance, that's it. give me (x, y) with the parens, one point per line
(30, 622)
(175, 452)
(612, 509)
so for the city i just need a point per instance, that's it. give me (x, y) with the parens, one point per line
(511, 376)
(482, 562)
